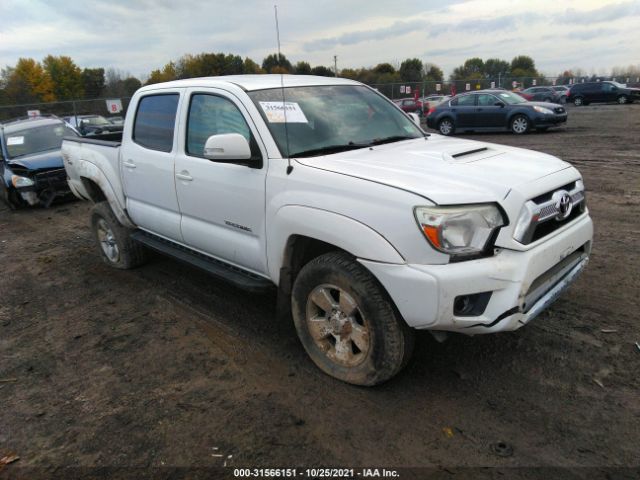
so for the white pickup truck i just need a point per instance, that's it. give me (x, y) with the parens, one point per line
(368, 226)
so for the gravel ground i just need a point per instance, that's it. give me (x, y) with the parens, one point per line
(163, 366)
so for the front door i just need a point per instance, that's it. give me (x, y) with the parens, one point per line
(489, 113)
(222, 204)
(147, 161)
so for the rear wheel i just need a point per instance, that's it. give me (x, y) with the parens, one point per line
(446, 127)
(347, 322)
(622, 99)
(116, 247)
(578, 101)
(520, 124)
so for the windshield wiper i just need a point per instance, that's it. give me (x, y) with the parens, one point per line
(330, 149)
(394, 138)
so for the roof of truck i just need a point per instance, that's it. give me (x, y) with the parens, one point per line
(255, 82)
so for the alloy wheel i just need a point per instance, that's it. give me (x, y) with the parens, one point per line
(108, 241)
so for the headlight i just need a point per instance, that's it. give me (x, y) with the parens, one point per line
(460, 230)
(18, 181)
(546, 111)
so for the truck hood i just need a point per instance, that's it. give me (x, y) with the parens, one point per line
(442, 169)
(39, 161)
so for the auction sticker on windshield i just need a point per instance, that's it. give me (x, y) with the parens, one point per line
(15, 141)
(275, 112)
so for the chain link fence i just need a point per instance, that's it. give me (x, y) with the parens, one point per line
(66, 108)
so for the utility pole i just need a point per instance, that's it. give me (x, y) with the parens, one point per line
(335, 65)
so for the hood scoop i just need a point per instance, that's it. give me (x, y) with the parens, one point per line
(473, 155)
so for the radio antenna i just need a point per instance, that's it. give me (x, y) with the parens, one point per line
(284, 104)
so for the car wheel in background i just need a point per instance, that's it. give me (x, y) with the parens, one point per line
(114, 242)
(520, 124)
(622, 99)
(347, 323)
(578, 101)
(446, 127)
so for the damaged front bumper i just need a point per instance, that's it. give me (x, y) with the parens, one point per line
(47, 186)
(502, 293)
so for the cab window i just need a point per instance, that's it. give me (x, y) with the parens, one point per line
(214, 115)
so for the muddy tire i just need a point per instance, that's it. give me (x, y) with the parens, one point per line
(347, 323)
(113, 240)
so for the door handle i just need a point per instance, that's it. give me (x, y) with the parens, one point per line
(184, 175)
(129, 164)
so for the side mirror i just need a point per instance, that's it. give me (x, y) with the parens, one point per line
(227, 147)
(415, 118)
(498, 104)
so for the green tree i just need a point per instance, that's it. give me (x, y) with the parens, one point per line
(93, 82)
(383, 68)
(494, 67)
(273, 64)
(302, 68)
(433, 73)
(249, 66)
(66, 77)
(411, 70)
(523, 66)
(322, 71)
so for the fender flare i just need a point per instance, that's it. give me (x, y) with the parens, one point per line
(89, 171)
(344, 232)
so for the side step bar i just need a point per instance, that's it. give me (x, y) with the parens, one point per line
(234, 275)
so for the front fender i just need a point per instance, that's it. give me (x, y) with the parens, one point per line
(344, 232)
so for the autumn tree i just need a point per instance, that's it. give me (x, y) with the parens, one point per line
(28, 82)
(251, 67)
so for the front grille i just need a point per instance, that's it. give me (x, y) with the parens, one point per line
(55, 179)
(545, 212)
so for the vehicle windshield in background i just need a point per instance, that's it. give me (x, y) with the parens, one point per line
(32, 140)
(510, 98)
(329, 119)
(97, 120)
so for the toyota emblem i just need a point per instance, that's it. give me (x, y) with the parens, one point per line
(563, 203)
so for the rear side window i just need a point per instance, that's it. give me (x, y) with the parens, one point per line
(466, 100)
(155, 121)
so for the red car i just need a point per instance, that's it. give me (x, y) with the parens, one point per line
(410, 105)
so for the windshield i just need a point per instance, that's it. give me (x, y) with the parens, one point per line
(619, 85)
(326, 119)
(510, 98)
(28, 141)
(97, 120)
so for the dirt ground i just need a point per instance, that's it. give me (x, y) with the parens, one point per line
(163, 366)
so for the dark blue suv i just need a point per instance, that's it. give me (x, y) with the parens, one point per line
(491, 110)
(31, 164)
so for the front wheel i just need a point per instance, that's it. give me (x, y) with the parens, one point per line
(519, 124)
(114, 241)
(347, 323)
(445, 127)
(622, 99)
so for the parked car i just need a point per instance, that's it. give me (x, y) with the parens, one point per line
(410, 105)
(117, 120)
(368, 227)
(562, 90)
(488, 110)
(523, 94)
(89, 125)
(31, 164)
(544, 94)
(602, 92)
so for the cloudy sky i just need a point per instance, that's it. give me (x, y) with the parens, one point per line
(140, 35)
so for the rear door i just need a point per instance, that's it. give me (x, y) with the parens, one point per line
(465, 111)
(147, 159)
